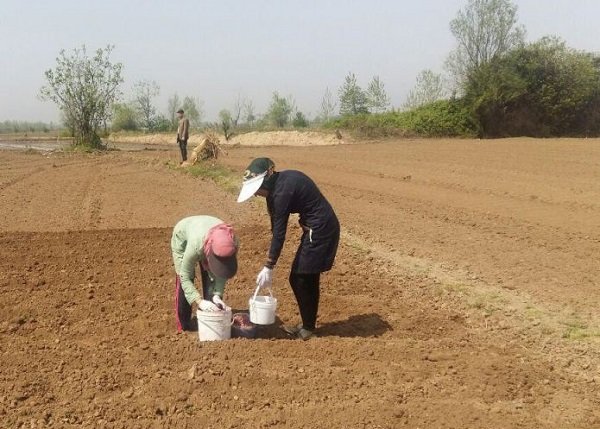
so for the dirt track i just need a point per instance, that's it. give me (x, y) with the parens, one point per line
(467, 277)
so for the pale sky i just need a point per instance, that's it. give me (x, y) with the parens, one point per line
(215, 50)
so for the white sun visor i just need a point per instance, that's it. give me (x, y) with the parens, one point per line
(249, 187)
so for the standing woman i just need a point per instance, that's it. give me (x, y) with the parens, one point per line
(210, 243)
(288, 192)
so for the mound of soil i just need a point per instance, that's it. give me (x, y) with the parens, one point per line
(286, 138)
(255, 138)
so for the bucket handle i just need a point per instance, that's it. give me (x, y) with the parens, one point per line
(258, 288)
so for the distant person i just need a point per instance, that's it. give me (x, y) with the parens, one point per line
(183, 134)
(210, 243)
(287, 192)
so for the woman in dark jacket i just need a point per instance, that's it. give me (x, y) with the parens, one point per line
(290, 192)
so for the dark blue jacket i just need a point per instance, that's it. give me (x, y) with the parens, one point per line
(294, 192)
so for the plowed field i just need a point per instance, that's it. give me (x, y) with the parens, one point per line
(465, 293)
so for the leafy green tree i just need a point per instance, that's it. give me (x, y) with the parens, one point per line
(84, 88)
(429, 88)
(124, 117)
(161, 123)
(144, 93)
(300, 120)
(353, 100)
(193, 110)
(377, 98)
(226, 123)
(484, 30)
(280, 110)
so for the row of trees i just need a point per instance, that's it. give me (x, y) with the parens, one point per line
(140, 113)
(282, 110)
(504, 85)
(87, 90)
(8, 127)
(354, 100)
(281, 113)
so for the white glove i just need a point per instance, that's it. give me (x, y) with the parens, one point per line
(220, 303)
(265, 277)
(205, 305)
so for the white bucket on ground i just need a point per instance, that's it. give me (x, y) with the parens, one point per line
(214, 325)
(262, 308)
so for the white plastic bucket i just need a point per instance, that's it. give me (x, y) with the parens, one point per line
(262, 308)
(214, 325)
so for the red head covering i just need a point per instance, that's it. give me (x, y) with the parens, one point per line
(220, 250)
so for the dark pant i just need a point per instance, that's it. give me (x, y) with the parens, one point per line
(306, 289)
(183, 149)
(183, 310)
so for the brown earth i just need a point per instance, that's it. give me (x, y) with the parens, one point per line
(464, 294)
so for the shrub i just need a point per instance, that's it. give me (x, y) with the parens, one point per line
(124, 117)
(542, 89)
(300, 120)
(161, 124)
(442, 118)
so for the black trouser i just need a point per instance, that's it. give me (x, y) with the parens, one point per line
(183, 310)
(306, 289)
(183, 149)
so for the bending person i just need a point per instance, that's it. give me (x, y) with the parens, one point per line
(210, 243)
(289, 192)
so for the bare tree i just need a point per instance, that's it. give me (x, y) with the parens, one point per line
(172, 107)
(328, 106)
(144, 93)
(249, 114)
(238, 107)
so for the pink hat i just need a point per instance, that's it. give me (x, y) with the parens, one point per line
(220, 249)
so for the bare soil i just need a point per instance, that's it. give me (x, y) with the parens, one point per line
(465, 294)
(254, 138)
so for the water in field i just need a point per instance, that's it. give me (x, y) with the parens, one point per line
(40, 145)
(52, 145)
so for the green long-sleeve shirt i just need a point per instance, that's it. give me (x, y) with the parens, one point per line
(187, 246)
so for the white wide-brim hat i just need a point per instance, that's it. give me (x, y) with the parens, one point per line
(249, 187)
